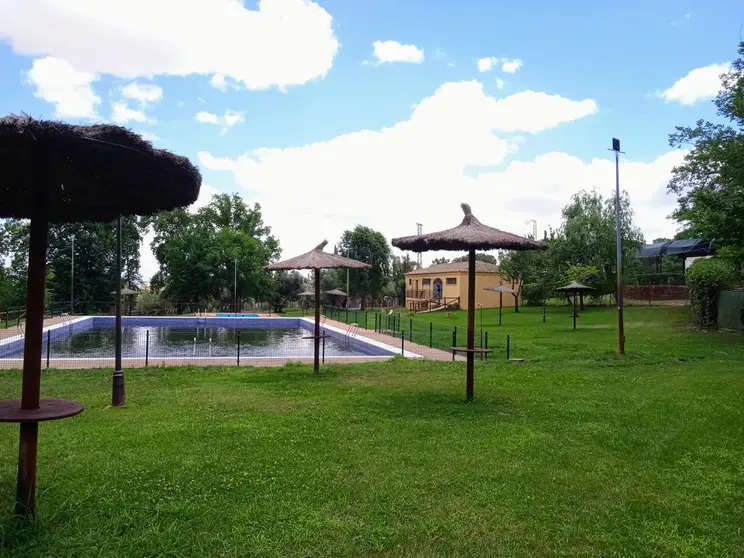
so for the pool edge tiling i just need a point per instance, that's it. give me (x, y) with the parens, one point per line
(370, 349)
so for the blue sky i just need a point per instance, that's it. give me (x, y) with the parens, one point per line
(291, 104)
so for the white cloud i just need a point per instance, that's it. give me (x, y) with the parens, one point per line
(700, 84)
(149, 136)
(486, 64)
(58, 82)
(500, 83)
(282, 43)
(511, 66)
(148, 263)
(219, 81)
(227, 120)
(121, 113)
(421, 163)
(393, 51)
(143, 92)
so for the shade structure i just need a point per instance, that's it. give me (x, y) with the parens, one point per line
(55, 172)
(575, 288)
(126, 292)
(501, 289)
(306, 293)
(316, 259)
(336, 292)
(470, 235)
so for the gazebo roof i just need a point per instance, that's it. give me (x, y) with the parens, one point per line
(469, 234)
(317, 259)
(575, 287)
(500, 289)
(87, 173)
(336, 292)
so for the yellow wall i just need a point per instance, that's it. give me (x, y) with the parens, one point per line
(488, 299)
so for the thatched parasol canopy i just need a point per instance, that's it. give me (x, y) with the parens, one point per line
(574, 287)
(87, 173)
(336, 292)
(126, 291)
(470, 235)
(317, 259)
(306, 293)
(500, 289)
(53, 172)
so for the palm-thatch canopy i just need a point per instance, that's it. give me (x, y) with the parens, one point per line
(574, 287)
(500, 289)
(126, 291)
(336, 292)
(306, 293)
(87, 173)
(317, 259)
(468, 235)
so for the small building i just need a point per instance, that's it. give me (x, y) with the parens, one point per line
(446, 286)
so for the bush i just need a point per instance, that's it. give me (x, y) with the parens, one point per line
(533, 294)
(706, 279)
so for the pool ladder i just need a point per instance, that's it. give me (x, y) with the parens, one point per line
(351, 332)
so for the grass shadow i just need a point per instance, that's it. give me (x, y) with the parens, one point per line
(432, 404)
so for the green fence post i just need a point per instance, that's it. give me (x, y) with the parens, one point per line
(402, 343)
(454, 337)
(508, 346)
(49, 344)
(431, 335)
(410, 330)
(486, 347)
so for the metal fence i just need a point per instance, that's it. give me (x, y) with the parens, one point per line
(731, 311)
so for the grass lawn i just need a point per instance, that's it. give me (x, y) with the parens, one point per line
(577, 451)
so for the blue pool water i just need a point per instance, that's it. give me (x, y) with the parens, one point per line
(192, 338)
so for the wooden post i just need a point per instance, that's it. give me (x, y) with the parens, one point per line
(574, 314)
(118, 397)
(316, 360)
(29, 438)
(471, 326)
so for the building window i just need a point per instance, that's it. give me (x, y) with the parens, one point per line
(452, 280)
(426, 282)
(410, 281)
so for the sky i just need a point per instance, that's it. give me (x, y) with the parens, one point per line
(388, 113)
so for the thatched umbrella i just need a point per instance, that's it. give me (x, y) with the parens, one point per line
(316, 260)
(126, 291)
(501, 289)
(575, 288)
(470, 235)
(54, 172)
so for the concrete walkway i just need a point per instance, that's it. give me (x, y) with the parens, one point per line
(15, 330)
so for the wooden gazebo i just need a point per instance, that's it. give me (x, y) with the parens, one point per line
(470, 235)
(53, 172)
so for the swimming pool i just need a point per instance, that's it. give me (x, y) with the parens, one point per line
(215, 339)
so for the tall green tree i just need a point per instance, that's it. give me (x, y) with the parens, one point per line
(368, 246)
(204, 257)
(710, 183)
(479, 256)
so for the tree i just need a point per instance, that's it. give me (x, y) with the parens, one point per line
(710, 183)
(587, 237)
(527, 268)
(205, 256)
(438, 261)
(287, 286)
(398, 269)
(480, 257)
(368, 246)
(586, 275)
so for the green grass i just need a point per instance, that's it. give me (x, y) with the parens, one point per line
(577, 451)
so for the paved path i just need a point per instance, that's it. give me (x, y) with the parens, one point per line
(14, 330)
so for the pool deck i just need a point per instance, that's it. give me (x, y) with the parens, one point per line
(13, 330)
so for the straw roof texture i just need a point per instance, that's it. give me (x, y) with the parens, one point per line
(455, 267)
(575, 287)
(336, 292)
(317, 259)
(470, 234)
(306, 293)
(500, 289)
(87, 173)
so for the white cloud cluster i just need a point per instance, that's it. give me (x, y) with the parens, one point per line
(226, 121)
(490, 62)
(143, 95)
(282, 43)
(418, 169)
(699, 84)
(69, 90)
(393, 51)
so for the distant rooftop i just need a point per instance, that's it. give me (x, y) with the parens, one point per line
(688, 248)
(456, 267)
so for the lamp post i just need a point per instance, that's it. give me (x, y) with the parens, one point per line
(72, 276)
(620, 324)
(235, 287)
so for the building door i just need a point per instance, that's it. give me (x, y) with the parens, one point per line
(437, 289)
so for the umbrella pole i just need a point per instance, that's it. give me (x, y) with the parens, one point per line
(26, 487)
(118, 397)
(316, 362)
(471, 325)
(574, 316)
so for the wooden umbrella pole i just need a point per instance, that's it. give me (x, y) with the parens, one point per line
(26, 487)
(316, 362)
(574, 316)
(471, 325)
